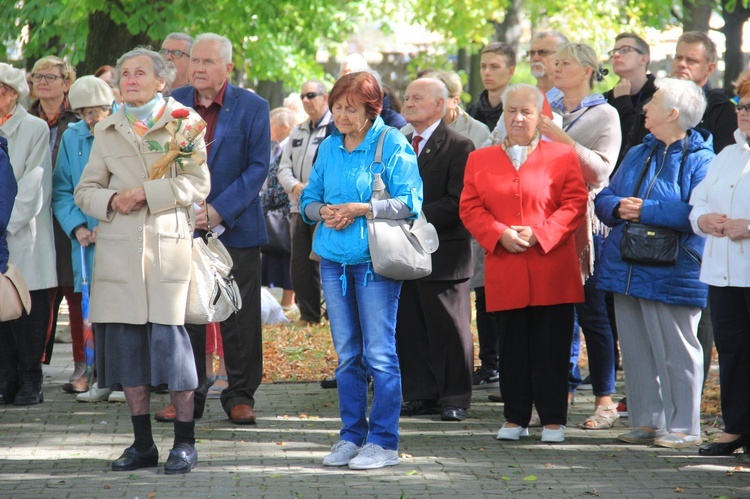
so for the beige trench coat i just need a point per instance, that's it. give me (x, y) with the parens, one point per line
(142, 260)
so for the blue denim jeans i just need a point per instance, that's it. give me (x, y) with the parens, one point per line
(362, 308)
(593, 318)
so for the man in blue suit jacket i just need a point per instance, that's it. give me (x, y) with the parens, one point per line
(238, 135)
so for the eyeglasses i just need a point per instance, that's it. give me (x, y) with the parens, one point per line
(93, 112)
(309, 95)
(48, 78)
(742, 107)
(540, 53)
(624, 50)
(177, 54)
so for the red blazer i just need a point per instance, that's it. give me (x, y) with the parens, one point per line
(548, 194)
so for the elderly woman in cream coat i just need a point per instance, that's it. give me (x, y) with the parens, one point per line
(30, 241)
(142, 263)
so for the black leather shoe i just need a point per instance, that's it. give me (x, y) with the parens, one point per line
(420, 407)
(132, 459)
(452, 413)
(29, 394)
(182, 459)
(725, 448)
(8, 391)
(329, 383)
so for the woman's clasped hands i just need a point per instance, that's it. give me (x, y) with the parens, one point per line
(341, 216)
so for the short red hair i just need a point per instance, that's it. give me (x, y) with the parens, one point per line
(355, 88)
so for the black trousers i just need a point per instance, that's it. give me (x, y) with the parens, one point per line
(434, 342)
(22, 341)
(534, 348)
(242, 336)
(485, 331)
(305, 272)
(730, 315)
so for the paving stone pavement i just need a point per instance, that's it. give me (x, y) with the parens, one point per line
(63, 449)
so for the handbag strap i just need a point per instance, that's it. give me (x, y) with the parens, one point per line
(647, 163)
(377, 181)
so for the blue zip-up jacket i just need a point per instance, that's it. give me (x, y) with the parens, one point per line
(665, 203)
(340, 176)
(74, 152)
(8, 191)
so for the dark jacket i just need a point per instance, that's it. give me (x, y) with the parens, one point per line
(720, 117)
(389, 115)
(238, 163)
(632, 119)
(8, 191)
(441, 165)
(482, 110)
(665, 205)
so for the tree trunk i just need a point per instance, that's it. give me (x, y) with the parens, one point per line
(696, 14)
(734, 62)
(107, 41)
(509, 31)
(475, 76)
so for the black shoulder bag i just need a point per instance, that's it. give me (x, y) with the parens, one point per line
(650, 244)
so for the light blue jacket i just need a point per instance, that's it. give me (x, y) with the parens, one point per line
(340, 176)
(75, 148)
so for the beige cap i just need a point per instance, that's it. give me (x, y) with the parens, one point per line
(15, 79)
(90, 91)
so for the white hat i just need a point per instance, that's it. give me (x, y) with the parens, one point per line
(90, 91)
(15, 79)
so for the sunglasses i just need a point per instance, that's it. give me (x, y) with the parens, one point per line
(742, 107)
(177, 54)
(625, 49)
(540, 53)
(309, 95)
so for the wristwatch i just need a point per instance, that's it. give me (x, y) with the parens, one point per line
(369, 215)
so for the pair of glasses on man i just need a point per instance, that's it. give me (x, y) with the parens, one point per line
(309, 95)
(177, 54)
(624, 50)
(540, 53)
(742, 107)
(36, 77)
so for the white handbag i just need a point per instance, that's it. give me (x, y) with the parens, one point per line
(14, 295)
(213, 294)
(399, 249)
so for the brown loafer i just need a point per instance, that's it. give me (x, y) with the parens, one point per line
(242, 414)
(166, 415)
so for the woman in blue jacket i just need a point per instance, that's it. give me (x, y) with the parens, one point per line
(362, 304)
(90, 98)
(658, 306)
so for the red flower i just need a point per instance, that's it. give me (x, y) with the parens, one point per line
(180, 113)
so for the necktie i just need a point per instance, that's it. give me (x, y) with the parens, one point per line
(415, 143)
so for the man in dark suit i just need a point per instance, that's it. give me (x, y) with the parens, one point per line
(433, 333)
(238, 135)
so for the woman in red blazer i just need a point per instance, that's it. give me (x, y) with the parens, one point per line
(522, 200)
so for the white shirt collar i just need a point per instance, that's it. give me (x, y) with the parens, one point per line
(425, 135)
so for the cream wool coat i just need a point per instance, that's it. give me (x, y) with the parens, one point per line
(142, 261)
(30, 238)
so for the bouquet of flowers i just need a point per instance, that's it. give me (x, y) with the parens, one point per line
(182, 145)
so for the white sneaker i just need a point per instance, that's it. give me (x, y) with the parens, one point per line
(372, 457)
(512, 432)
(116, 397)
(341, 453)
(553, 436)
(95, 394)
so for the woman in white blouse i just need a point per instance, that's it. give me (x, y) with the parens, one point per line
(721, 213)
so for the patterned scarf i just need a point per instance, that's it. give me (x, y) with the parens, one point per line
(52, 120)
(517, 157)
(144, 117)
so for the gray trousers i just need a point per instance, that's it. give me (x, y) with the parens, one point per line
(663, 362)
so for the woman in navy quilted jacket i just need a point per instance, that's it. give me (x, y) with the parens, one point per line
(658, 306)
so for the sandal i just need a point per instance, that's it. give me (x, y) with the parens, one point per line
(215, 391)
(604, 418)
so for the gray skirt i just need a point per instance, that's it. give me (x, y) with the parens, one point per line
(144, 354)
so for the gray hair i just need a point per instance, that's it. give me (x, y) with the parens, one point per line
(224, 43)
(450, 79)
(585, 56)
(318, 84)
(684, 96)
(561, 39)
(440, 91)
(283, 116)
(181, 37)
(538, 95)
(163, 70)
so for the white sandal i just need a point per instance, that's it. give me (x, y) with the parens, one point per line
(604, 418)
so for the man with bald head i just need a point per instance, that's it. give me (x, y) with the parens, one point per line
(433, 333)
